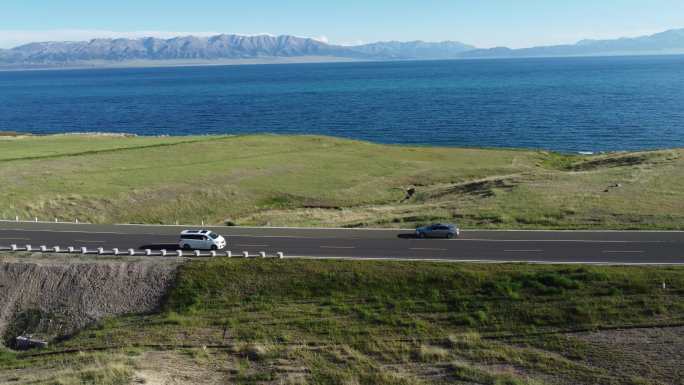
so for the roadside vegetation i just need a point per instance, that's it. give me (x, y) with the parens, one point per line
(343, 322)
(322, 181)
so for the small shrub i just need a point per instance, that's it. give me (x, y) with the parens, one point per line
(464, 341)
(502, 288)
(557, 280)
(463, 319)
(465, 372)
(481, 317)
(26, 322)
(254, 351)
(428, 353)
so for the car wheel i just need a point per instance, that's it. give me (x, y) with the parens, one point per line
(449, 236)
(213, 247)
(421, 235)
(186, 247)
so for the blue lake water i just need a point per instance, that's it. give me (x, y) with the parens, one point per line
(575, 104)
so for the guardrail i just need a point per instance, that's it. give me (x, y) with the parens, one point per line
(36, 220)
(19, 219)
(134, 252)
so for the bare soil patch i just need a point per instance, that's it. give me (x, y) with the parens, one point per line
(655, 353)
(56, 298)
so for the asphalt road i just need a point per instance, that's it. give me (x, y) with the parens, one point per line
(523, 246)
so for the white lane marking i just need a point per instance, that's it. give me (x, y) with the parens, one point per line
(15, 239)
(304, 237)
(337, 247)
(523, 251)
(88, 241)
(251, 245)
(427, 249)
(623, 251)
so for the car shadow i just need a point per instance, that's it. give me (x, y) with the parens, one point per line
(408, 236)
(161, 246)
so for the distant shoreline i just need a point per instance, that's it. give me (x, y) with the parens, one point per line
(96, 65)
(174, 63)
(21, 135)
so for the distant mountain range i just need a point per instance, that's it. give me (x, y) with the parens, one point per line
(185, 48)
(238, 47)
(668, 42)
(412, 50)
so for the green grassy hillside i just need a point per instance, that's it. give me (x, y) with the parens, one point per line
(306, 180)
(375, 323)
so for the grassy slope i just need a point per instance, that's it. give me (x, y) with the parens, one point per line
(341, 322)
(276, 180)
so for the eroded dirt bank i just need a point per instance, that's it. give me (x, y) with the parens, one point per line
(55, 297)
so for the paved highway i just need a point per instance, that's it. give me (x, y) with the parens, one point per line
(522, 246)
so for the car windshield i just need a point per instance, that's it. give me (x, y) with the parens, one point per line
(213, 235)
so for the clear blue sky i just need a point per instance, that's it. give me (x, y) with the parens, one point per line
(485, 23)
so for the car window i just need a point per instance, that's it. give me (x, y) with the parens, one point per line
(192, 236)
(213, 235)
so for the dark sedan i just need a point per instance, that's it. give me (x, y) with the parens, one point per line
(438, 231)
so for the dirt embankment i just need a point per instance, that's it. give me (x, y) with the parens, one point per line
(55, 298)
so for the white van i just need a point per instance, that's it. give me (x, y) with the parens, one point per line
(201, 240)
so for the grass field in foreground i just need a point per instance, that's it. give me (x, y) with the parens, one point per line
(376, 323)
(322, 181)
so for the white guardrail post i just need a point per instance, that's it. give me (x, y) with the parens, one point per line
(13, 247)
(84, 250)
(179, 253)
(197, 253)
(57, 249)
(148, 252)
(100, 250)
(28, 248)
(245, 254)
(163, 252)
(213, 253)
(280, 255)
(71, 249)
(115, 251)
(131, 252)
(262, 254)
(43, 249)
(229, 254)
